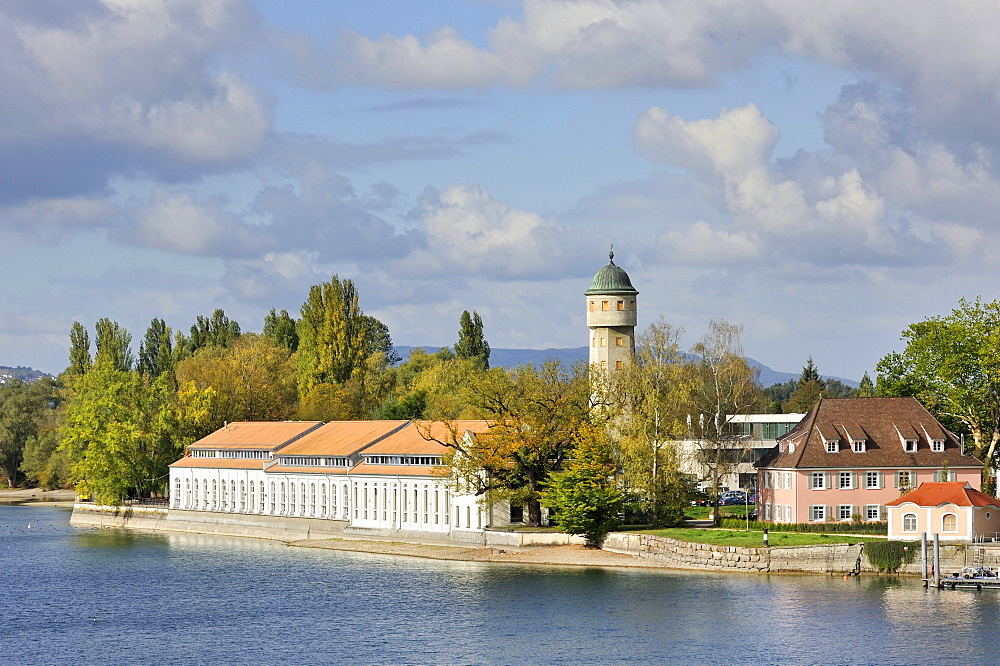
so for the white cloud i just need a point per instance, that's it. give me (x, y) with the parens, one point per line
(470, 233)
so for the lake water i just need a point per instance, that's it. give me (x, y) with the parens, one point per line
(97, 596)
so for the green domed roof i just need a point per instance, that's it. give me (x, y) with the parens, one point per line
(611, 279)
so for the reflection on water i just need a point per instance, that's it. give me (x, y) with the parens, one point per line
(113, 596)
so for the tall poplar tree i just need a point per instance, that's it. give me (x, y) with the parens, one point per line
(156, 350)
(281, 328)
(471, 343)
(113, 343)
(79, 350)
(332, 335)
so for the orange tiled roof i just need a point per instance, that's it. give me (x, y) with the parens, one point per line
(306, 470)
(411, 439)
(342, 438)
(959, 493)
(223, 463)
(255, 434)
(881, 422)
(399, 470)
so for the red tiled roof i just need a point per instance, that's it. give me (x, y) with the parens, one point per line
(220, 463)
(399, 470)
(413, 439)
(255, 434)
(341, 438)
(882, 422)
(958, 493)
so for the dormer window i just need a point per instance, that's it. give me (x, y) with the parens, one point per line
(910, 445)
(859, 446)
(937, 445)
(832, 445)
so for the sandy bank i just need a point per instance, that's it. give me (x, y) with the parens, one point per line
(551, 555)
(63, 498)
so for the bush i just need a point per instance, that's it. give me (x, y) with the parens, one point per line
(879, 529)
(888, 556)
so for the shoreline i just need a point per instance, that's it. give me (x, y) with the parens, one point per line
(38, 497)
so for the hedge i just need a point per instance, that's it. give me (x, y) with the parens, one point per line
(876, 528)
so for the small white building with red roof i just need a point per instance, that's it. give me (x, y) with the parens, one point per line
(955, 511)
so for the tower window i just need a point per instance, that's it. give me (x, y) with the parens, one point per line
(604, 365)
(621, 306)
(619, 365)
(604, 342)
(604, 305)
(593, 342)
(592, 306)
(631, 305)
(619, 342)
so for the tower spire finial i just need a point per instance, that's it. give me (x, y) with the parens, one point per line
(611, 254)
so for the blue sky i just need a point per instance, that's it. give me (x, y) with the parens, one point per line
(822, 173)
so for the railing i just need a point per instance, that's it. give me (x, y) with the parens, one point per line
(162, 502)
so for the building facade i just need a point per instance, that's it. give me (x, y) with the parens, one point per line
(849, 457)
(382, 476)
(611, 317)
(955, 511)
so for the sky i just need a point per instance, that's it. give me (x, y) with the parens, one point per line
(822, 173)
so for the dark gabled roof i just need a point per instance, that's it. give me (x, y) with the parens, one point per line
(612, 280)
(883, 423)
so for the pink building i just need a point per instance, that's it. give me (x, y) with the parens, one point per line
(954, 511)
(851, 456)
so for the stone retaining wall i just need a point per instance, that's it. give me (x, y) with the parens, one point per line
(827, 559)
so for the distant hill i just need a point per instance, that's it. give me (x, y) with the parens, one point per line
(511, 358)
(28, 375)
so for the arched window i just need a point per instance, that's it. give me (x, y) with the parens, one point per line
(322, 500)
(949, 522)
(909, 522)
(187, 493)
(291, 499)
(253, 494)
(215, 495)
(262, 497)
(177, 493)
(232, 496)
(283, 504)
(312, 499)
(272, 497)
(243, 497)
(302, 492)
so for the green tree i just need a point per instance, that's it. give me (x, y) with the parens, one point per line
(533, 416)
(121, 433)
(113, 345)
(866, 389)
(585, 495)
(251, 380)
(378, 341)
(471, 344)
(722, 385)
(217, 330)
(952, 365)
(647, 414)
(281, 328)
(79, 350)
(22, 407)
(156, 354)
(332, 335)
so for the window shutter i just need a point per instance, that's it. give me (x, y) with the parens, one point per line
(828, 513)
(951, 475)
(854, 479)
(881, 479)
(826, 480)
(856, 510)
(896, 479)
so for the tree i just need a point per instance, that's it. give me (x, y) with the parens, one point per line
(585, 496)
(866, 389)
(156, 354)
(21, 410)
(332, 335)
(122, 432)
(952, 365)
(648, 404)
(281, 328)
(533, 416)
(810, 373)
(378, 341)
(471, 344)
(722, 385)
(113, 345)
(79, 350)
(217, 330)
(251, 380)
(808, 391)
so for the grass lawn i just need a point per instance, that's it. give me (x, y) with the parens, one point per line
(754, 538)
(730, 510)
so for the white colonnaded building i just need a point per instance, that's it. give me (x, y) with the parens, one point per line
(373, 477)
